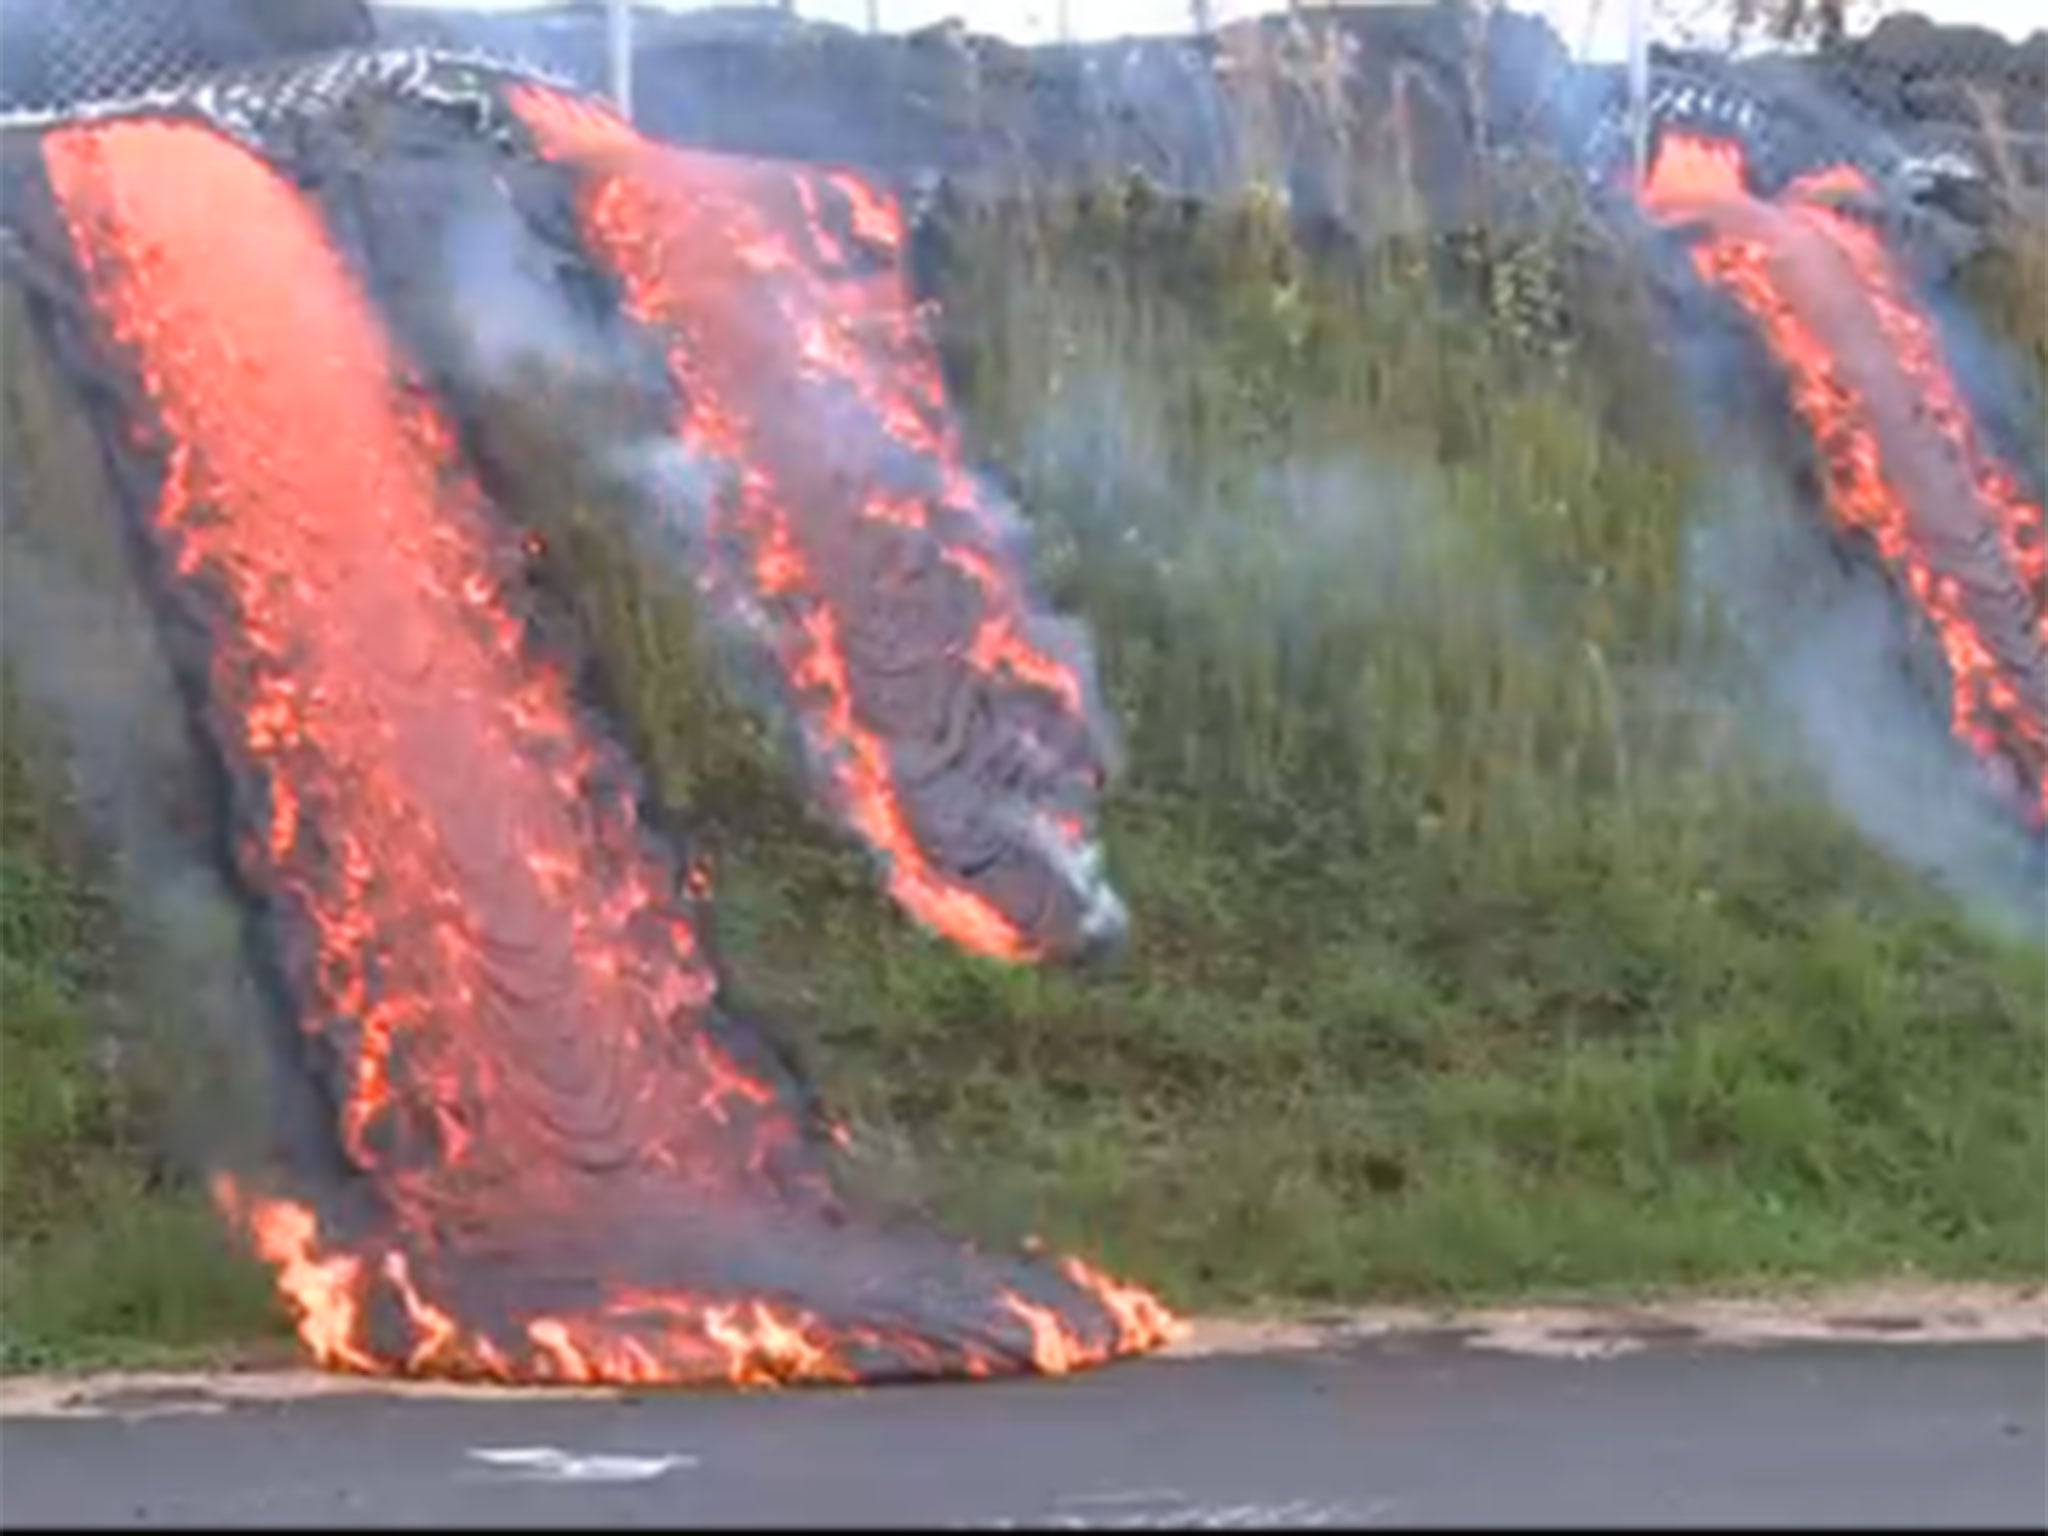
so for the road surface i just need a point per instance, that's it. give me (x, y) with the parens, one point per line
(1390, 1432)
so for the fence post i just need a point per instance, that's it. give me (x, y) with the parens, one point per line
(1639, 87)
(619, 34)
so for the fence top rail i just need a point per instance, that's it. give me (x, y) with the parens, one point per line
(237, 91)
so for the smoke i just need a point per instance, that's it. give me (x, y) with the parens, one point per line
(1102, 440)
(1315, 546)
(81, 644)
(501, 295)
(501, 304)
(839, 550)
(2003, 394)
(1822, 323)
(88, 678)
(501, 298)
(1837, 697)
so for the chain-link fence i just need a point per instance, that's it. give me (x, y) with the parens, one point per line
(60, 53)
(888, 81)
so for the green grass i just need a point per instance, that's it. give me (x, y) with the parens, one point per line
(1302, 1089)
(1483, 944)
(105, 1255)
(108, 1254)
(107, 1250)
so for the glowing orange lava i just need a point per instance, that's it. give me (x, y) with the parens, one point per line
(1902, 460)
(798, 364)
(548, 1115)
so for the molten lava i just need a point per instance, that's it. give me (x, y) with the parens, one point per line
(570, 1164)
(1902, 462)
(951, 728)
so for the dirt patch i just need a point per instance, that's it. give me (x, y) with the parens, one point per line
(1891, 1313)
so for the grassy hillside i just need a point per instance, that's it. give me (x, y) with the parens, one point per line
(1484, 940)
(1481, 943)
(107, 1249)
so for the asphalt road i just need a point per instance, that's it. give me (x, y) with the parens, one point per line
(1389, 1433)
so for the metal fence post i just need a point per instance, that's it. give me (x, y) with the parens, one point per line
(619, 34)
(1639, 86)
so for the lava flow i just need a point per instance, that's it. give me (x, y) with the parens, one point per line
(569, 1163)
(952, 728)
(1902, 461)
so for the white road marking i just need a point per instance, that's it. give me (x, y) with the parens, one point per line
(546, 1464)
(1294, 1514)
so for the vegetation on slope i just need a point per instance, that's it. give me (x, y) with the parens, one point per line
(1482, 943)
(108, 1251)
